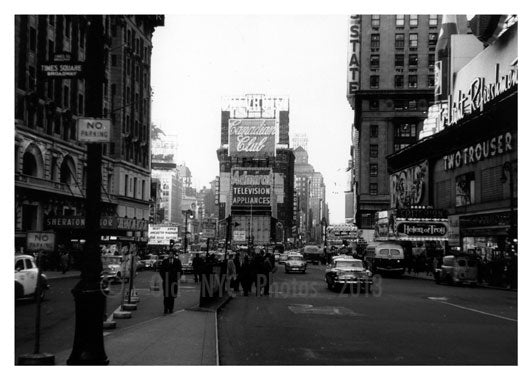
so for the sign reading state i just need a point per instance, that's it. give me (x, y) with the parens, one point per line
(252, 137)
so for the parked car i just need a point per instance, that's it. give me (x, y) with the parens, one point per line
(345, 270)
(295, 263)
(457, 270)
(114, 268)
(26, 274)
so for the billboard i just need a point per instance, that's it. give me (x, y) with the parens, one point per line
(252, 137)
(160, 234)
(251, 188)
(409, 187)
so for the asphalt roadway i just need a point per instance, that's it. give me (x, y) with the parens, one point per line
(58, 313)
(404, 321)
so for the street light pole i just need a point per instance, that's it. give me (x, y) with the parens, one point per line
(88, 348)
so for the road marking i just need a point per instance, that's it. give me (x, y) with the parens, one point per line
(438, 298)
(477, 311)
(322, 310)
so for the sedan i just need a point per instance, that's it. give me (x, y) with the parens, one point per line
(295, 263)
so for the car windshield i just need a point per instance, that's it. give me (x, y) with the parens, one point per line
(349, 264)
(295, 258)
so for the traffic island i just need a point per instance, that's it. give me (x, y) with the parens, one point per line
(121, 314)
(129, 306)
(109, 324)
(36, 359)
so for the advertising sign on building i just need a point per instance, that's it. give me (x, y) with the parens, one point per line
(239, 235)
(36, 241)
(416, 224)
(92, 130)
(252, 137)
(251, 187)
(160, 234)
(409, 187)
(353, 67)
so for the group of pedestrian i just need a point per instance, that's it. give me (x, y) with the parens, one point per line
(251, 271)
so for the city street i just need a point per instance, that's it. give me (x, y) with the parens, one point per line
(58, 317)
(406, 322)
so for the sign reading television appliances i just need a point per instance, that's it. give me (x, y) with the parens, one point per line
(252, 137)
(251, 187)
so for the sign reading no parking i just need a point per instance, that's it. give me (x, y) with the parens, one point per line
(94, 130)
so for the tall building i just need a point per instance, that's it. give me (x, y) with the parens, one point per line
(299, 140)
(50, 164)
(309, 188)
(256, 168)
(390, 88)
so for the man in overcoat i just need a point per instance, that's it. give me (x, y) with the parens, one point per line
(170, 272)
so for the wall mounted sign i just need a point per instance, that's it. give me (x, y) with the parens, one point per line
(251, 187)
(409, 187)
(252, 137)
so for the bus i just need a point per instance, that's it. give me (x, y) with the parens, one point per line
(385, 258)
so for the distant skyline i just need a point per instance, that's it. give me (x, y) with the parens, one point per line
(198, 60)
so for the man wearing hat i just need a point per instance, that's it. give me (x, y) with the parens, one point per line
(170, 272)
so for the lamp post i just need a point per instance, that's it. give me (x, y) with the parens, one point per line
(187, 213)
(88, 347)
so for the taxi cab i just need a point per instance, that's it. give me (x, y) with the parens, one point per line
(26, 273)
(345, 270)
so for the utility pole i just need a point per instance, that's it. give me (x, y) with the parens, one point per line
(88, 348)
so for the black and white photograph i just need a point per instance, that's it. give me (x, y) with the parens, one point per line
(330, 188)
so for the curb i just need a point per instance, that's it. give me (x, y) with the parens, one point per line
(62, 276)
(212, 309)
(478, 285)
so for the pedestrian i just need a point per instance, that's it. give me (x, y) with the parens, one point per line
(256, 269)
(266, 271)
(238, 267)
(197, 263)
(170, 272)
(246, 276)
(230, 274)
(65, 261)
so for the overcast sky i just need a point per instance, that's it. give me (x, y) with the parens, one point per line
(197, 60)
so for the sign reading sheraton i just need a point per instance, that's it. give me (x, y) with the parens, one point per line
(252, 137)
(251, 187)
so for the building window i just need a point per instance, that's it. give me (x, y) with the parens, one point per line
(373, 131)
(431, 60)
(375, 41)
(374, 151)
(400, 21)
(399, 41)
(399, 60)
(66, 97)
(433, 39)
(413, 21)
(373, 189)
(412, 41)
(128, 66)
(81, 102)
(412, 60)
(375, 21)
(433, 21)
(399, 81)
(400, 105)
(430, 80)
(374, 105)
(374, 81)
(134, 187)
(67, 26)
(405, 130)
(412, 81)
(113, 60)
(51, 20)
(82, 38)
(33, 39)
(412, 104)
(398, 147)
(126, 183)
(374, 61)
(465, 189)
(373, 170)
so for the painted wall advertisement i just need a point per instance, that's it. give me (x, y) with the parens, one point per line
(252, 137)
(251, 187)
(409, 187)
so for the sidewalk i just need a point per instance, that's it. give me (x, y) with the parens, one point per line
(182, 338)
(424, 276)
(189, 336)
